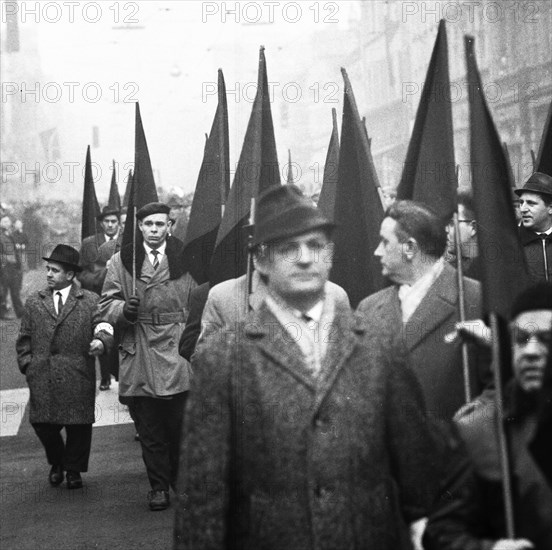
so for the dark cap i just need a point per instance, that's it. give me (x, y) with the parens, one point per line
(537, 183)
(283, 212)
(108, 211)
(535, 297)
(65, 255)
(152, 208)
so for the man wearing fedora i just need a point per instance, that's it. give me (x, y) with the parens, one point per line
(151, 320)
(60, 334)
(299, 417)
(535, 203)
(94, 271)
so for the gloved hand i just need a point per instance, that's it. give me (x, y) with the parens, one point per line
(130, 309)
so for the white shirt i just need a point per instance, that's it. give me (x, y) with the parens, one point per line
(411, 296)
(160, 250)
(107, 239)
(64, 295)
(312, 336)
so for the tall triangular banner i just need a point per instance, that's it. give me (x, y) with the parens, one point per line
(90, 206)
(504, 272)
(114, 201)
(143, 190)
(326, 201)
(126, 196)
(256, 171)
(210, 194)
(429, 173)
(358, 208)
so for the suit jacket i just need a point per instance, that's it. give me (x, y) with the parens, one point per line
(52, 352)
(273, 457)
(437, 364)
(92, 275)
(225, 306)
(188, 340)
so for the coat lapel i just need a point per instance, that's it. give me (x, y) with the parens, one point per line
(277, 345)
(70, 303)
(438, 304)
(48, 302)
(342, 342)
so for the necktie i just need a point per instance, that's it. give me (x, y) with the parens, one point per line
(155, 259)
(59, 303)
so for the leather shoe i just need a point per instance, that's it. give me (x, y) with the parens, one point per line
(55, 477)
(74, 480)
(105, 384)
(158, 500)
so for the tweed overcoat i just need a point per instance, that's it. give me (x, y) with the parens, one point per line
(149, 363)
(273, 457)
(437, 364)
(52, 352)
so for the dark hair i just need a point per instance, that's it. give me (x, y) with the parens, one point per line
(538, 296)
(415, 220)
(465, 198)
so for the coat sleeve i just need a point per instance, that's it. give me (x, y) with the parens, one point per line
(212, 322)
(112, 299)
(416, 445)
(457, 520)
(192, 330)
(202, 512)
(23, 343)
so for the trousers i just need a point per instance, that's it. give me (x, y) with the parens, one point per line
(159, 423)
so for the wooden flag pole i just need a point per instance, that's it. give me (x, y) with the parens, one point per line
(134, 253)
(462, 307)
(250, 256)
(502, 438)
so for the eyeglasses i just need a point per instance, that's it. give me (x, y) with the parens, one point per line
(522, 337)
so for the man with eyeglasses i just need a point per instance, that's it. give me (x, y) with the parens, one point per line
(303, 429)
(472, 514)
(467, 237)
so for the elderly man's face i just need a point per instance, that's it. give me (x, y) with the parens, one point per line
(535, 213)
(297, 266)
(466, 232)
(531, 332)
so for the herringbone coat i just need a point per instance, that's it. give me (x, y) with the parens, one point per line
(52, 353)
(273, 457)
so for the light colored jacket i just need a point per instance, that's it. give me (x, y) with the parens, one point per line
(150, 365)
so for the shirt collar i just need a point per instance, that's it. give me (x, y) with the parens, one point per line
(161, 249)
(314, 313)
(64, 293)
(547, 232)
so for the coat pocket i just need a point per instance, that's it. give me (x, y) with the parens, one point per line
(127, 349)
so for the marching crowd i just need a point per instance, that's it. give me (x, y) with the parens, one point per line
(305, 425)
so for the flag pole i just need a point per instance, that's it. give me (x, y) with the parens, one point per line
(134, 253)
(499, 419)
(249, 275)
(462, 306)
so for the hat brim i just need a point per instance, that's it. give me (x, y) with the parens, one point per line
(519, 192)
(71, 267)
(101, 216)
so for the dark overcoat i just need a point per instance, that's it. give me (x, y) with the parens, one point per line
(436, 363)
(52, 352)
(534, 254)
(273, 457)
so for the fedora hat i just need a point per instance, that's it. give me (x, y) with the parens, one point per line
(537, 183)
(108, 211)
(65, 255)
(283, 212)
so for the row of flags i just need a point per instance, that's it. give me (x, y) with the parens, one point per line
(217, 235)
(215, 245)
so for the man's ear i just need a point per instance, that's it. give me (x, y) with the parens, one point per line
(410, 248)
(473, 228)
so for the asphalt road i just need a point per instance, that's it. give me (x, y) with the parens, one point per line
(109, 512)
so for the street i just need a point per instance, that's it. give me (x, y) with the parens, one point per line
(110, 511)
